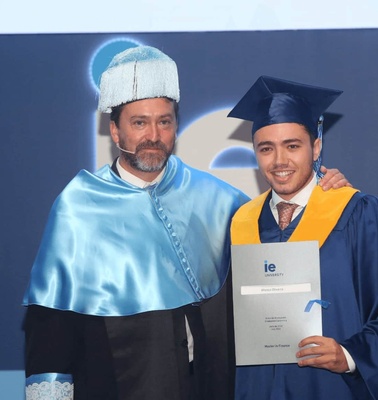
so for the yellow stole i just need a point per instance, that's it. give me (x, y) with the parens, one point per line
(319, 218)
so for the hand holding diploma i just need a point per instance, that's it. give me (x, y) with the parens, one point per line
(322, 352)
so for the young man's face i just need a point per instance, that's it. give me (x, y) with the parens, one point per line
(147, 128)
(285, 157)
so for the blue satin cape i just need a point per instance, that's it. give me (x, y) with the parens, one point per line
(112, 249)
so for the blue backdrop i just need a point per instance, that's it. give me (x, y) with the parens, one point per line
(47, 120)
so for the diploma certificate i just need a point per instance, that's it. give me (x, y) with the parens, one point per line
(276, 287)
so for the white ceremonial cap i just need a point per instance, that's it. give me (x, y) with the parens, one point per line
(138, 73)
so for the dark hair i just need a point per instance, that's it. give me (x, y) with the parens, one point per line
(310, 133)
(116, 111)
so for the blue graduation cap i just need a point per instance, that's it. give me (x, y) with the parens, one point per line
(273, 101)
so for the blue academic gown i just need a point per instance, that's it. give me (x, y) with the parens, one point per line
(349, 281)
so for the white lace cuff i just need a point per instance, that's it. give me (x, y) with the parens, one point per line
(50, 386)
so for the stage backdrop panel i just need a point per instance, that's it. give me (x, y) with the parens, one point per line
(50, 128)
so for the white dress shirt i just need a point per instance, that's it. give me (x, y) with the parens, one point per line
(134, 180)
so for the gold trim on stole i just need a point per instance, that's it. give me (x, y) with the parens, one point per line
(319, 218)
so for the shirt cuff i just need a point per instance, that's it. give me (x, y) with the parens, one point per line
(350, 361)
(49, 386)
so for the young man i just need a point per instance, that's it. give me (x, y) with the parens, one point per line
(343, 363)
(134, 261)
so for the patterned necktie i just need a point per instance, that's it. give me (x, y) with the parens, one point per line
(285, 212)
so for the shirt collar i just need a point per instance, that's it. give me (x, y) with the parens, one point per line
(300, 198)
(134, 180)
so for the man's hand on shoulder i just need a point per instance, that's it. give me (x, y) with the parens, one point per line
(333, 179)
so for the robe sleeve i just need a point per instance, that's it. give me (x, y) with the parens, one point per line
(363, 346)
(50, 349)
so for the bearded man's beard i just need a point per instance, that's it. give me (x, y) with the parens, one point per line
(146, 161)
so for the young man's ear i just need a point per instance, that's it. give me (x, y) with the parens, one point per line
(317, 149)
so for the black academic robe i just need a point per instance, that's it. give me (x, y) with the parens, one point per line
(139, 357)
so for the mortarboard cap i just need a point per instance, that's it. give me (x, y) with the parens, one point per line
(273, 101)
(138, 73)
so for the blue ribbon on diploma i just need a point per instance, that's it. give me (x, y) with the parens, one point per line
(323, 303)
